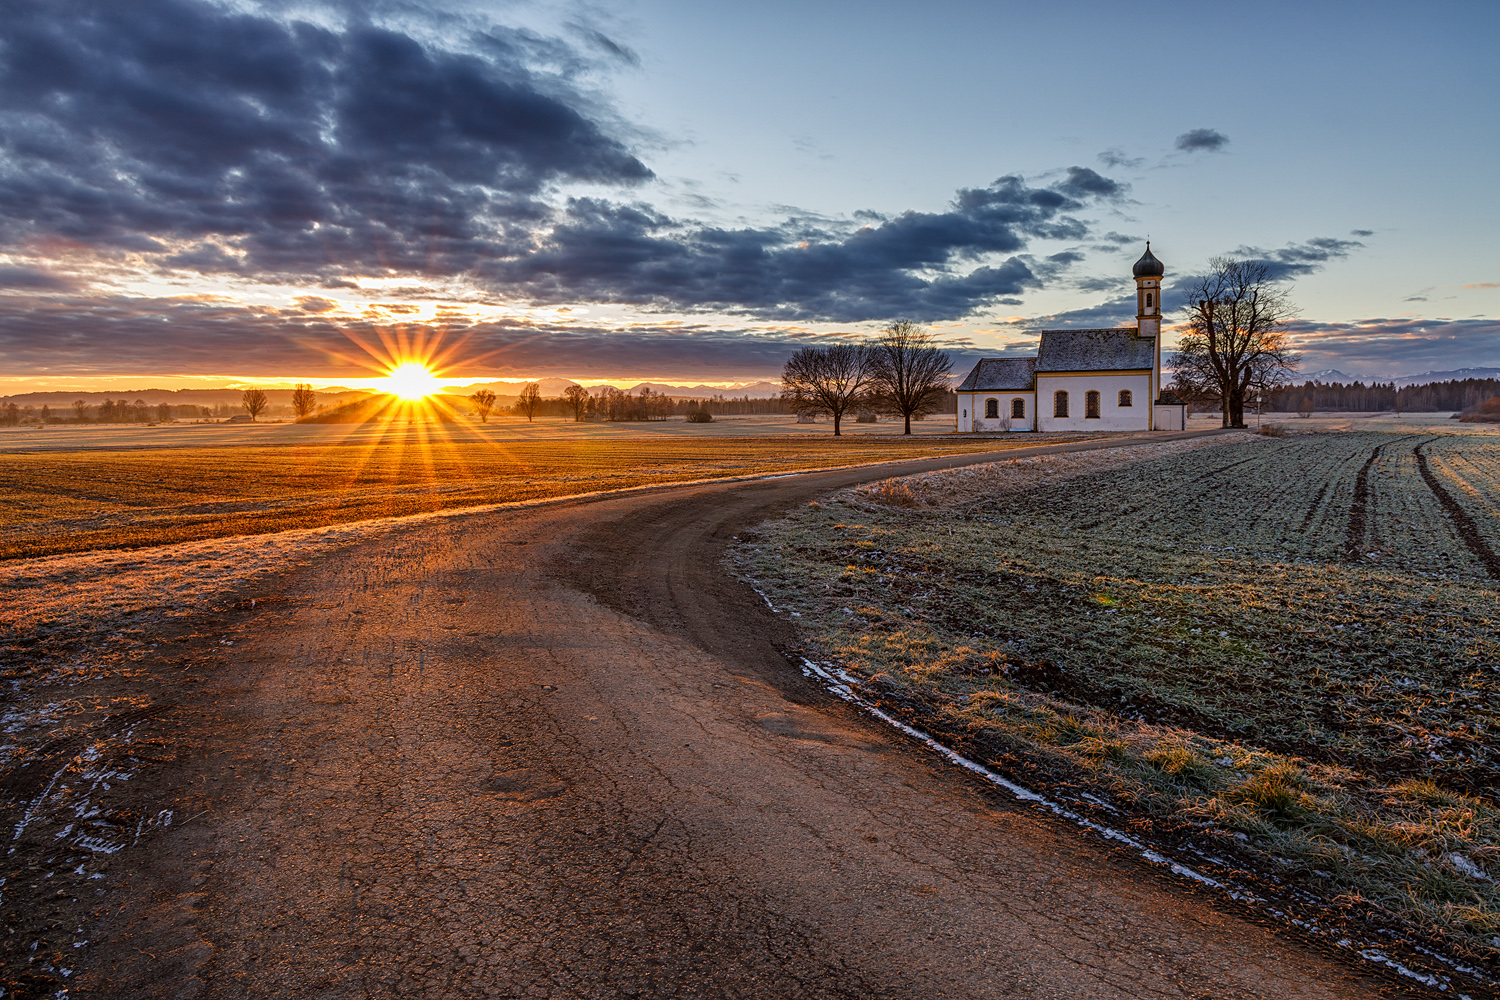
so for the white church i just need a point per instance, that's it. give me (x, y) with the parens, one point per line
(1081, 380)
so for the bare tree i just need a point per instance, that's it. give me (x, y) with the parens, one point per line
(484, 403)
(255, 402)
(908, 375)
(578, 398)
(164, 413)
(81, 409)
(1305, 408)
(531, 398)
(828, 380)
(1236, 343)
(304, 400)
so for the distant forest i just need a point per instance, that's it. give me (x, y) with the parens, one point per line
(1460, 395)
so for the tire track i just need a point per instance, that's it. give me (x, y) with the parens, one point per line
(1354, 536)
(1462, 522)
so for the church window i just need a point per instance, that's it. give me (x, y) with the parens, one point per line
(1060, 403)
(1126, 398)
(991, 409)
(1148, 300)
(1018, 409)
(1091, 405)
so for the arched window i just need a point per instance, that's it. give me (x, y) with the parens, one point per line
(1148, 300)
(991, 409)
(1126, 398)
(1091, 405)
(1060, 403)
(1018, 409)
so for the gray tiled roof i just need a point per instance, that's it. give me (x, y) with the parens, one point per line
(1001, 375)
(1095, 351)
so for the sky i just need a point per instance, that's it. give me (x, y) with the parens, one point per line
(196, 193)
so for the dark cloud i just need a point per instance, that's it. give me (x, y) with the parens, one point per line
(1362, 233)
(243, 142)
(1297, 259)
(31, 277)
(223, 140)
(1201, 140)
(1082, 182)
(925, 265)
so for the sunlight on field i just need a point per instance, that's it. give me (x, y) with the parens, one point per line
(52, 502)
(1287, 644)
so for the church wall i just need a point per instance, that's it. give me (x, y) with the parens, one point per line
(971, 409)
(1112, 417)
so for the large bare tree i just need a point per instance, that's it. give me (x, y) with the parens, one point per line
(578, 398)
(908, 374)
(1236, 342)
(530, 399)
(255, 402)
(304, 400)
(484, 402)
(828, 380)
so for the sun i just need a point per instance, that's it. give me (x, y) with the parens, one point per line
(411, 380)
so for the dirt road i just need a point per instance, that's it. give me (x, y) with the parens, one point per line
(559, 753)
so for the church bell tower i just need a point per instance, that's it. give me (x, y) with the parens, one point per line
(1148, 274)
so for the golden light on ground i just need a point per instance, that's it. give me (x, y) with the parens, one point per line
(410, 380)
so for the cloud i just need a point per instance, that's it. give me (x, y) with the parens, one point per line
(1201, 140)
(12, 276)
(223, 140)
(1082, 182)
(1291, 261)
(128, 335)
(1297, 259)
(1114, 158)
(236, 140)
(1399, 346)
(1362, 233)
(1481, 285)
(924, 265)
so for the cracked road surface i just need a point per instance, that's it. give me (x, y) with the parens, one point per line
(557, 752)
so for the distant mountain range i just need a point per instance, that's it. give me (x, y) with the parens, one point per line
(1455, 375)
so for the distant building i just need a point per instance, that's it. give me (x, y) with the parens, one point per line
(1081, 380)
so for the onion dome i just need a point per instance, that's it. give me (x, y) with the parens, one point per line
(1148, 266)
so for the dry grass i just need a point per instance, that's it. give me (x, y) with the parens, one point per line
(59, 502)
(1210, 638)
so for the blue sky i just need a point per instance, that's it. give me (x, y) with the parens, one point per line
(687, 191)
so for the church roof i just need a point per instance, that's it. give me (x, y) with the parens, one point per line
(1148, 266)
(1001, 375)
(1120, 349)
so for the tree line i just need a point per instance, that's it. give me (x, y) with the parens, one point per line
(123, 411)
(1458, 394)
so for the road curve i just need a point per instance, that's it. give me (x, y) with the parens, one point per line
(556, 752)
